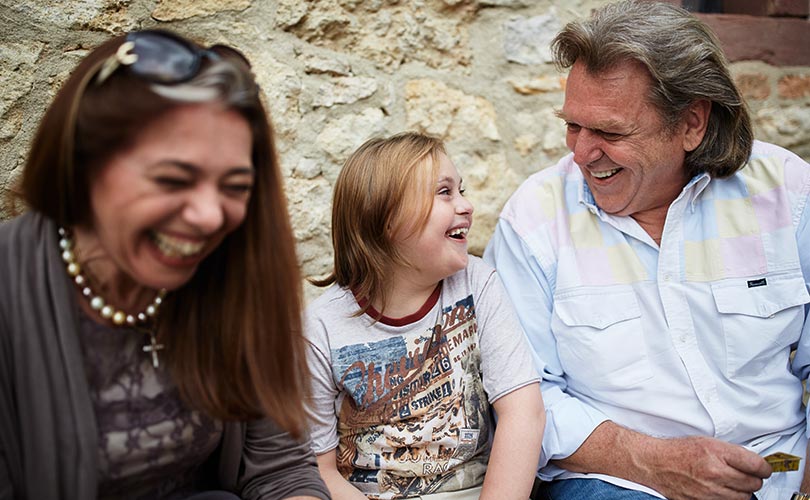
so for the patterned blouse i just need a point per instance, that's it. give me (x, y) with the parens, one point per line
(150, 444)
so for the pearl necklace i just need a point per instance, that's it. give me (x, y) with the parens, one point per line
(97, 303)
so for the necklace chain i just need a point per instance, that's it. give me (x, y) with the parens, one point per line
(97, 303)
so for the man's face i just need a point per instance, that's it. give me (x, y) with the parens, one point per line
(631, 162)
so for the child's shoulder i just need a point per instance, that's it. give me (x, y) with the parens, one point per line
(477, 265)
(334, 300)
(473, 276)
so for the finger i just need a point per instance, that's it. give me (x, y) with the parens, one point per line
(741, 482)
(748, 462)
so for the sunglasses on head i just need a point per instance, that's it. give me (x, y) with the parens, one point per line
(161, 57)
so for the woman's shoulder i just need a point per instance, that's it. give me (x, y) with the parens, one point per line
(18, 236)
(25, 224)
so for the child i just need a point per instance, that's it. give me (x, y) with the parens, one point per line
(415, 340)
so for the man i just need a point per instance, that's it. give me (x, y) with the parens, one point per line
(661, 271)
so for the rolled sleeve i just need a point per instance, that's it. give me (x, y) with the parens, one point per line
(569, 421)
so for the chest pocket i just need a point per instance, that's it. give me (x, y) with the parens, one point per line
(599, 339)
(760, 317)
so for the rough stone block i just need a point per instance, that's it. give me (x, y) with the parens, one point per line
(183, 9)
(794, 86)
(794, 8)
(753, 86)
(526, 40)
(776, 41)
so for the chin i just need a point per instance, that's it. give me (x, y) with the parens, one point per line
(168, 281)
(460, 265)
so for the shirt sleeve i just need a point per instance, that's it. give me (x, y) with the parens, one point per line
(322, 404)
(569, 421)
(506, 362)
(6, 489)
(276, 465)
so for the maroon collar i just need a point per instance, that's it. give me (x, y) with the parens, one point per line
(405, 320)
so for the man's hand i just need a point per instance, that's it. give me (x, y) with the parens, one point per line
(696, 468)
(690, 468)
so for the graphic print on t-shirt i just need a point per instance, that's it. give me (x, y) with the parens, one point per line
(417, 419)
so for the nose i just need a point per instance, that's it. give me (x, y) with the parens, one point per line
(586, 146)
(203, 210)
(464, 206)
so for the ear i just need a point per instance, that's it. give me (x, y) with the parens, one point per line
(695, 121)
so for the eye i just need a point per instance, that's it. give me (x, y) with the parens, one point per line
(610, 136)
(572, 127)
(172, 182)
(239, 189)
(444, 191)
(461, 191)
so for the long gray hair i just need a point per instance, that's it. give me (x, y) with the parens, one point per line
(685, 62)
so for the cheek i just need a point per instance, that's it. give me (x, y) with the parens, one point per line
(235, 213)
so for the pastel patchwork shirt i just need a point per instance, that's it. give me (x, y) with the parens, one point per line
(692, 337)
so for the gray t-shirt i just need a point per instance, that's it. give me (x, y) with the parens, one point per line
(407, 402)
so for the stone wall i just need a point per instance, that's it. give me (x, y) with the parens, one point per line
(337, 72)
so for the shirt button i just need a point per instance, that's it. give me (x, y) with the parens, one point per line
(683, 338)
(667, 277)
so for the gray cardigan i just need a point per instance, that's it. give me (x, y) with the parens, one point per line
(48, 436)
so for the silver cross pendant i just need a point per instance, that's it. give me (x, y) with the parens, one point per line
(153, 348)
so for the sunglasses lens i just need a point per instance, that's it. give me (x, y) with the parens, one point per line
(164, 59)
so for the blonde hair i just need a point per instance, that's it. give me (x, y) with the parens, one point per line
(383, 192)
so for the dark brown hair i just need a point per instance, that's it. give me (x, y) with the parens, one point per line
(233, 332)
(383, 191)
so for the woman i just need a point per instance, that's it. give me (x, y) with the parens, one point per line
(149, 312)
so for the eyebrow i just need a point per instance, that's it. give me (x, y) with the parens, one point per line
(605, 125)
(447, 178)
(194, 169)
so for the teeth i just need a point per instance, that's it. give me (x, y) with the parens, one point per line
(605, 174)
(175, 247)
(459, 231)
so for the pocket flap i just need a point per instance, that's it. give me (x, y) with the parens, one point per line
(760, 296)
(598, 310)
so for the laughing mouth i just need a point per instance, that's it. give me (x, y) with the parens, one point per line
(606, 173)
(458, 233)
(176, 247)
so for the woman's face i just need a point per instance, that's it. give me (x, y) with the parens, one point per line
(163, 204)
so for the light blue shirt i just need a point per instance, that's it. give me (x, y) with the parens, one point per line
(692, 337)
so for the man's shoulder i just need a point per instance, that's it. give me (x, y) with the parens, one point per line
(772, 167)
(767, 159)
(766, 149)
(545, 193)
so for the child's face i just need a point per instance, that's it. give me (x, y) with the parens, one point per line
(440, 248)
